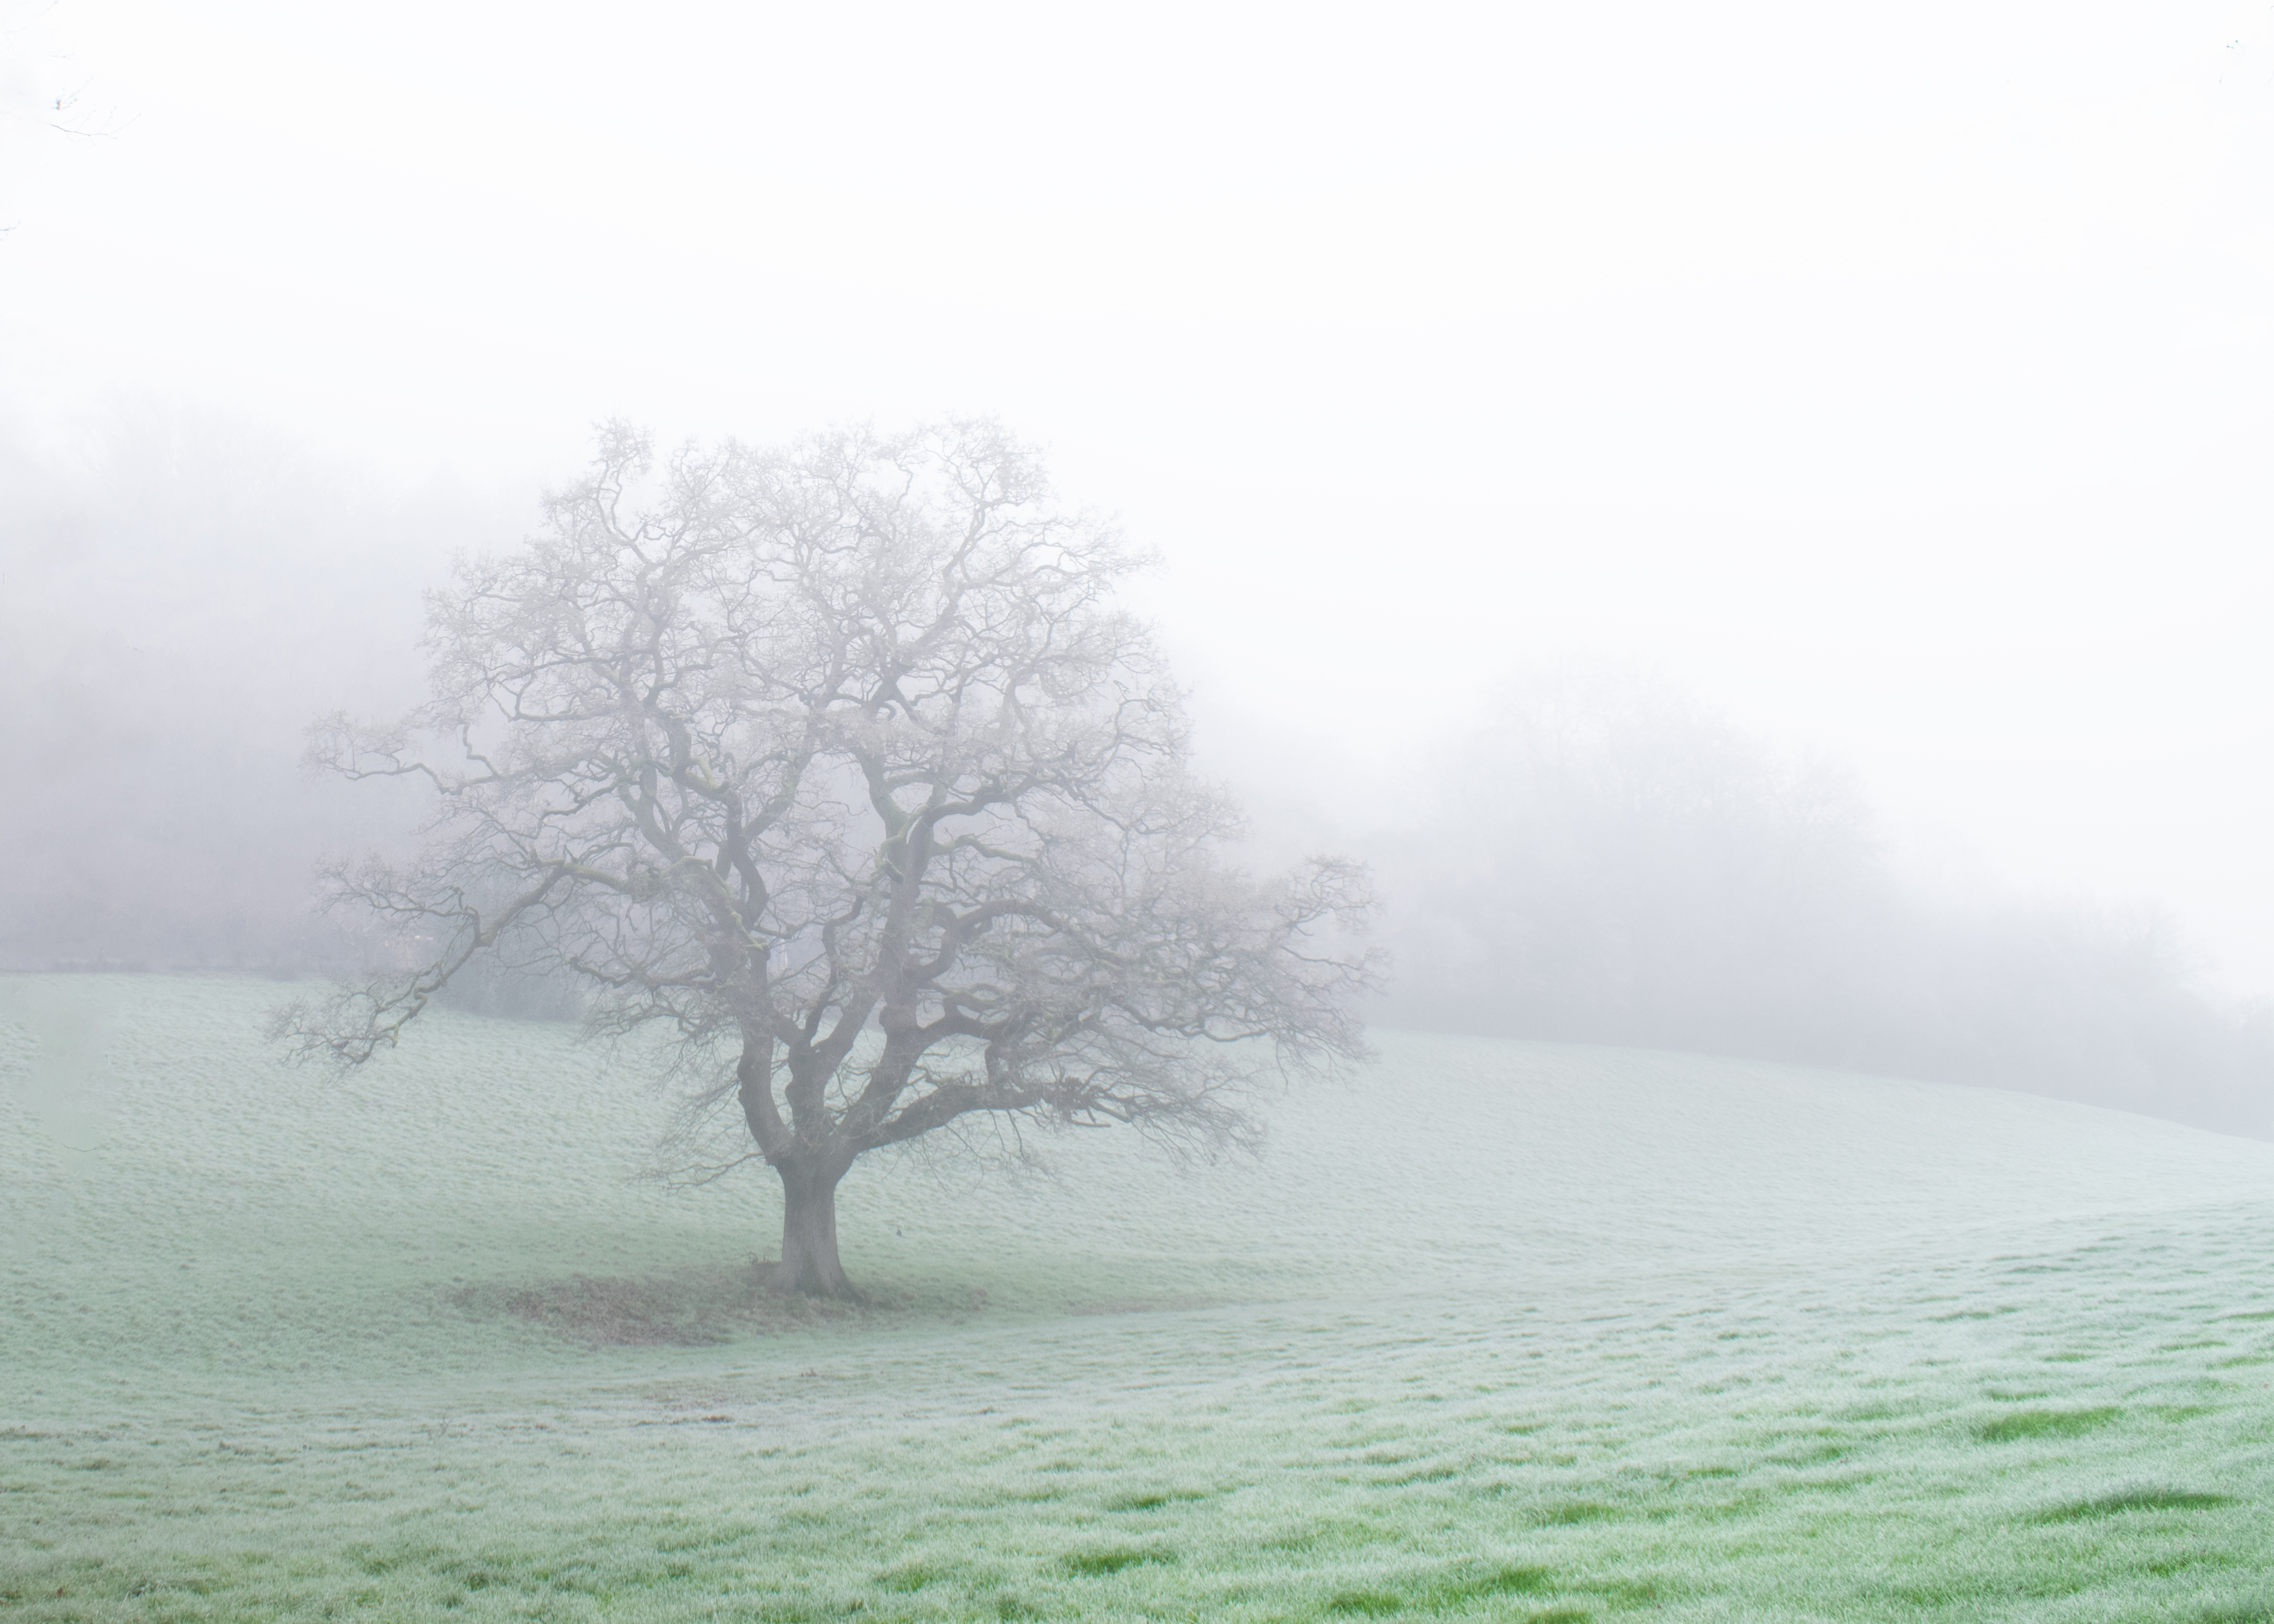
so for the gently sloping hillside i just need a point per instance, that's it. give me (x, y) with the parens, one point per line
(1502, 1331)
(188, 1198)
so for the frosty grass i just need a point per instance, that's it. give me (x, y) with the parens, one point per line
(1500, 1331)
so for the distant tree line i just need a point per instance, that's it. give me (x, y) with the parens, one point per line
(1600, 861)
(1609, 863)
(176, 593)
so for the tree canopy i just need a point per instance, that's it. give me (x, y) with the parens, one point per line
(837, 765)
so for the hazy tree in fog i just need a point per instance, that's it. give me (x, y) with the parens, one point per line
(1632, 870)
(1604, 860)
(174, 583)
(838, 766)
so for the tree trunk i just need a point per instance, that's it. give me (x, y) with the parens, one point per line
(809, 1244)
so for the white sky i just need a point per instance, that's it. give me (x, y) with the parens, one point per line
(1897, 378)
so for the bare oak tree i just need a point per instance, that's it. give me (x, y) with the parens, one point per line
(838, 766)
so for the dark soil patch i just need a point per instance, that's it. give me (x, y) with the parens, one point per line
(674, 1308)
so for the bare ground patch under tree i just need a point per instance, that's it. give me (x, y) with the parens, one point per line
(688, 1307)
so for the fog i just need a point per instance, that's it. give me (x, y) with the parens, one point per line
(183, 594)
(1603, 861)
(1753, 522)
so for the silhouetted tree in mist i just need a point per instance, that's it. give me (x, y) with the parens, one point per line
(837, 767)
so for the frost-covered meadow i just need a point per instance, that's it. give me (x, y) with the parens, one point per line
(1500, 1331)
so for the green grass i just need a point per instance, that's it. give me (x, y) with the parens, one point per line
(1500, 1332)
(2047, 1424)
(2136, 1499)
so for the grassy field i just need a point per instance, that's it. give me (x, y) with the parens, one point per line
(1500, 1331)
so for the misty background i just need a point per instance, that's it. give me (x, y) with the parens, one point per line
(1756, 525)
